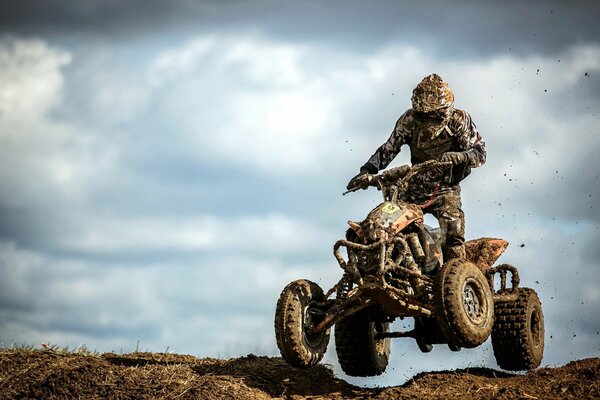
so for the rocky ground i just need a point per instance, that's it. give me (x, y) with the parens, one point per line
(36, 374)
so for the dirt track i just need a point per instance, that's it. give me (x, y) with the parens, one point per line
(47, 375)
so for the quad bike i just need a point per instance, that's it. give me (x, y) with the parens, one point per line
(394, 268)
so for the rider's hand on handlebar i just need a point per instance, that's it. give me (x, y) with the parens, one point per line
(360, 180)
(455, 157)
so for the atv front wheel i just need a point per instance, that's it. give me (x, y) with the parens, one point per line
(464, 304)
(295, 316)
(359, 350)
(518, 334)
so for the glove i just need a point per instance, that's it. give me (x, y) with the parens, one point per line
(359, 180)
(455, 157)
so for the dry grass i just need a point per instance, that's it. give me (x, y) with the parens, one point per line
(63, 374)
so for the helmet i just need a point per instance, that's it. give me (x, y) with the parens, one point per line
(432, 94)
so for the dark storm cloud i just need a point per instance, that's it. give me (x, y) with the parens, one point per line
(34, 225)
(471, 28)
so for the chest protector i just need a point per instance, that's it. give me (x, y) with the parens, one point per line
(432, 139)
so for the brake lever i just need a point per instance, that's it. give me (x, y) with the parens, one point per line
(354, 189)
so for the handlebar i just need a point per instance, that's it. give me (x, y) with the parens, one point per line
(400, 177)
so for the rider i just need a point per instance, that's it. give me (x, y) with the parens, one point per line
(434, 130)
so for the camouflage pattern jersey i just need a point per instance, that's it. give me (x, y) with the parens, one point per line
(429, 139)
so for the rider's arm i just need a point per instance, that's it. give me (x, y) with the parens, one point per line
(384, 155)
(469, 138)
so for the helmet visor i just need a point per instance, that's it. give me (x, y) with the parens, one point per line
(438, 115)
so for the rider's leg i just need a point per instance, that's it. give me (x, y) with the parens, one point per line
(447, 209)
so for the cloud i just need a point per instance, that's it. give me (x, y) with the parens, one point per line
(269, 234)
(67, 299)
(40, 156)
(477, 28)
(174, 63)
(248, 103)
(294, 127)
(32, 82)
(202, 306)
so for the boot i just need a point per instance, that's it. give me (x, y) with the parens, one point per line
(451, 252)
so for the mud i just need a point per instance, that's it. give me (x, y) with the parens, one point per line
(33, 374)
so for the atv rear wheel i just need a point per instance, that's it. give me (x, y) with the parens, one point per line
(359, 351)
(295, 316)
(464, 304)
(518, 334)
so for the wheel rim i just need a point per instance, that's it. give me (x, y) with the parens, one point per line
(310, 337)
(473, 301)
(535, 330)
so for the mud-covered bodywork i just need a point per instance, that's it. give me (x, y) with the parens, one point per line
(386, 220)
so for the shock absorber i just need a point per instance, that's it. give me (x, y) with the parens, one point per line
(415, 247)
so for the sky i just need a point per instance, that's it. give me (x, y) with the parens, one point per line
(166, 168)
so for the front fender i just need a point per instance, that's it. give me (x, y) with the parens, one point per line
(485, 251)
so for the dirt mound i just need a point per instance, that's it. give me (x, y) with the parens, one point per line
(52, 375)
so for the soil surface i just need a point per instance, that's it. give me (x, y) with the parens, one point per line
(36, 374)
